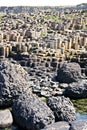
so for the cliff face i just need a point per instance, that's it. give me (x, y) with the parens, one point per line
(82, 6)
(27, 9)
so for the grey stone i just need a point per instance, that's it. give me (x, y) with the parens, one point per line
(69, 72)
(77, 89)
(31, 113)
(57, 93)
(14, 80)
(78, 125)
(62, 107)
(63, 85)
(45, 93)
(5, 118)
(62, 125)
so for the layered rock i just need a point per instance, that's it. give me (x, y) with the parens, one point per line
(14, 80)
(77, 90)
(69, 72)
(62, 107)
(31, 113)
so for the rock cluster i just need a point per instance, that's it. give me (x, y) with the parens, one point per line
(29, 111)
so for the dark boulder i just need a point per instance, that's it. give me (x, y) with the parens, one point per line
(78, 125)
(69, 72)
(62, 107)
(77, 90)
(14, 80)
(31, 113)
(61, 125)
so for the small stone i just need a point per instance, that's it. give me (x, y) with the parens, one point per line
(5, 118)
(63, 85)
(62, 125)
(78, 125)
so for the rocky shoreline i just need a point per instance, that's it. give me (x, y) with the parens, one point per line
(24, 88)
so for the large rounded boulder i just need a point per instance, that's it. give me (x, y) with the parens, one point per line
(76, 90)
(62, 107)
(69, 72)
(31, 113)
(14, 80)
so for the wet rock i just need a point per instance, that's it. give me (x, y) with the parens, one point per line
(69, 72)
(14, 81)
(62, 107)
(5, 118)
(78, 125)
(77, 90)
(31, 113)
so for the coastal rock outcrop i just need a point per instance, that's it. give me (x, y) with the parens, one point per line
(69, 72)
(31, 113)
(14, 80)
(62, 107)
(76, 90)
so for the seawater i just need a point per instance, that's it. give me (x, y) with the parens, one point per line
(81, 116)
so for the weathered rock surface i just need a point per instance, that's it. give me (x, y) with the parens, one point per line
(31, 113)
(79, 125)
(5, 118)
(77, 89)
(62, 107)
(69, 72)
(14, 80)
(62, 125)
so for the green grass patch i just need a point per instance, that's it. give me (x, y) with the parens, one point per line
(43, 99)
(1, 14)
(80, 105)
